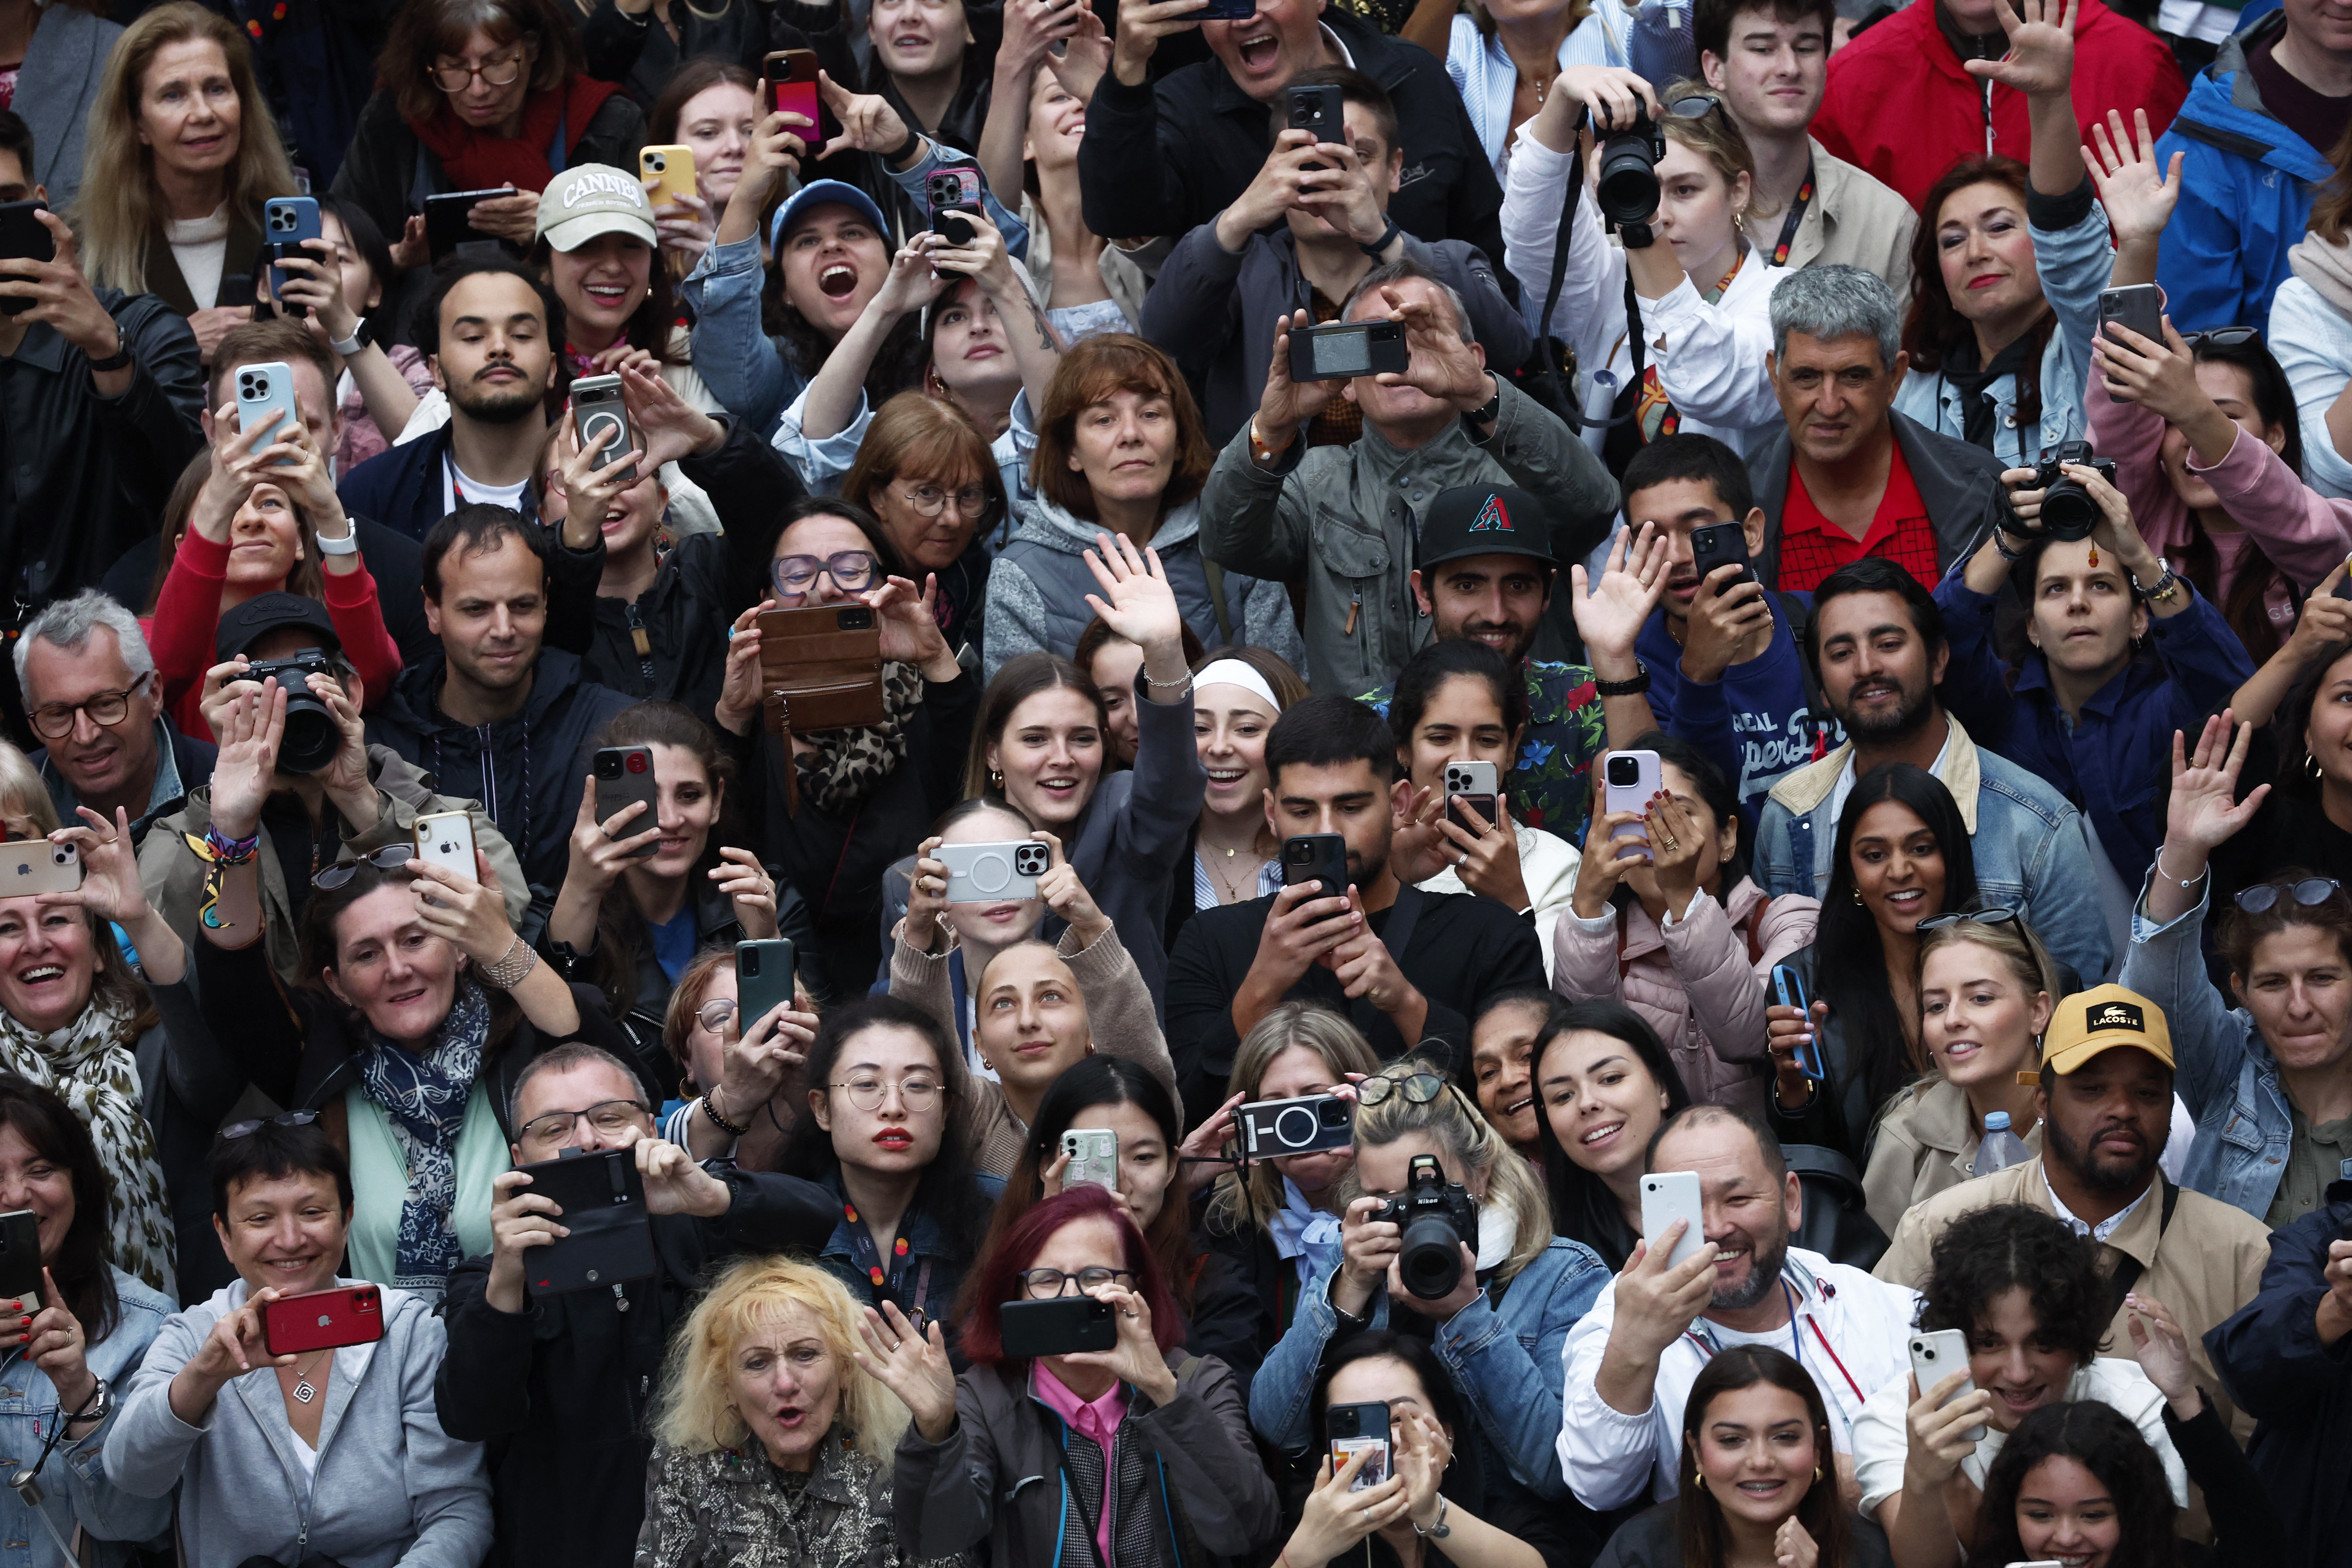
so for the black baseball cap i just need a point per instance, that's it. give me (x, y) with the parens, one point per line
(1486, 519)
(248, 623)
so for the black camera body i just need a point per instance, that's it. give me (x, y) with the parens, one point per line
(2067, 509)
(1438, 1219)
(1628, 188)
(312, 738)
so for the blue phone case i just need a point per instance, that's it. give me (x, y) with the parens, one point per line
(1790, 991)
(264, 392)
(287, 222)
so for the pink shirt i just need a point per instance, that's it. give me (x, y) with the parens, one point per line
(1095, 1418)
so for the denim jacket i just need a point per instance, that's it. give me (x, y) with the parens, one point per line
(1505, 1358)
(750, 372)
(2031, 855)
(77, 1490)
(2075, 256)
(2225, 1073)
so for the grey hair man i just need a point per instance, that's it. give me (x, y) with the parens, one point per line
(1850, 476)
(95, 701)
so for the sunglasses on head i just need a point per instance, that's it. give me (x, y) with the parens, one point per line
(387, 859)
(288, 1119)
(1995, 917)
(2305, 890)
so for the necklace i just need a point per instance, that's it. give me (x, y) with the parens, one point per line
(303, 1393)
(1233, 889)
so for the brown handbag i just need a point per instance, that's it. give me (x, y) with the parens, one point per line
(821, 669)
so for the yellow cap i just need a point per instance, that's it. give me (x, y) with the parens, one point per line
(2100, 1019)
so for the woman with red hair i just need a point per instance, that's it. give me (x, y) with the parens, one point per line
(1141, 1435)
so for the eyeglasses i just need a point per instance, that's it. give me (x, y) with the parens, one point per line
(852, 571)
(2222, 338)
(1418, 1089)
(1045, 1283)
(2307, 891)
(610, 1117)
(248, 1128)
(1981, 917)
(389, 857)
(714, 1014)
(1693, 106)
(929, 500)
(498, 70)
(55, 720)
(914, 1093)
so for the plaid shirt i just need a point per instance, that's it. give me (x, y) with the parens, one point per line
(1550, 785)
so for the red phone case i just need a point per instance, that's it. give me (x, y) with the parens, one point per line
(339, 1315)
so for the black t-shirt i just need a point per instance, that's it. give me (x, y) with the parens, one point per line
(2309, 114)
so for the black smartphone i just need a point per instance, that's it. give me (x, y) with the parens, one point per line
(624, 777)
(763, 978)
(1063, 1326)
(22, 238)
(20, 1259)
(1337, 351)
(1722, 544)
(1354, 1426)
(446, 226)
(951, 197)
(1315, 857)
(1321, 110)
(2139, 305)
(238, 291)
(1224, 11)
(604, 1201)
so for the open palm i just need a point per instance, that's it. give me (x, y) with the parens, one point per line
(2041, 59)
(2135, 188)
(1136, 601)
(2203, 810)
(1610, 615)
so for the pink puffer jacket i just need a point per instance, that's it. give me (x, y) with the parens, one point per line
(1699, 984)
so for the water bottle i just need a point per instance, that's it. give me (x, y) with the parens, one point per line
(2001, 1148)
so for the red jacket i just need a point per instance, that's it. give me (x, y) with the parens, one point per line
(1900, 105)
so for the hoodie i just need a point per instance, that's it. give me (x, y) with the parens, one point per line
(2246, 188)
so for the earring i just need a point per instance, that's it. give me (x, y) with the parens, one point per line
(1857, 895)
(2311, 764)
(1817, 1472)
(995, 779)
(1698, 1479)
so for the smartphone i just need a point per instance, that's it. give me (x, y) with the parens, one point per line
(1722, 544)
(30, 866)
(2139, 305)
(1668, 1197)
(287, 222)
(1224, 11)
(1356, 1426)
(1093, 1158)
(264, 394)
(445, 838)
(1788, 991)
(1628, 781)
(1271, 1129)
(446, 224)
(1063, 1326)
(1934, 1357)
(1314, 857)
(764, 979)
(1338, 349)
(999, 871)
(1479, 788)
(792, 90)
(1321, 110)
(22, 238)
(626, 774)
(674, 168)
(322, 1320)
(597, 408)
(951, 197)
(20, 1259)
(604, 1201)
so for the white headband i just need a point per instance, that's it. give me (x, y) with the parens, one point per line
(1234, 672)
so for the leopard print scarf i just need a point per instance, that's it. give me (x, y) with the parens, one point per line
(847, 765)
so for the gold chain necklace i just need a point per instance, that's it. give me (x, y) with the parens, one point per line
(1233, 889)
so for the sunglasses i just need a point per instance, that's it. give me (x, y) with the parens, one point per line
(2306, 891)
(248, 1128)
(1981, 917)
(387, 859)
(2221, 338)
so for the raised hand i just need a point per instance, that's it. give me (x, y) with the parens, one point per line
(1336, 1516)
(60, 294)
(470, 916)
(2162, 1351)
(750, 889)
(1611, 616)
(2135, 188)
(253, 723)
(913, 1366)
(601, 850)
(1201, 1156)
(2041, 59)
(667, 427)
(2202, 814)
(1066, 896)
(1792, 1547)
(520, 1219)
(1939, 1436)
(1136, 602)
(1439, 362)
(674, 1183)
(867, 121)
(1080, 66)
(911, 624)
(1141, 28)
(1608, 860)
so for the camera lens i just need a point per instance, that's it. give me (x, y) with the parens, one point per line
(1431, 1261)
(1628, 188)
(1624, 772)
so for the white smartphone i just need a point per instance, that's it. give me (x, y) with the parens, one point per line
(1628, 781)
(29, 866)
(265, 396)
(1093, 1158)
(446, 839)
(1668, 1197)
(1002, 871)
(1476, 784)
(1934, 1357)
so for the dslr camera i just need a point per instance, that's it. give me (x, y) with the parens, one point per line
(1628, 190)
(311, 738)
(2067, 509)
(1438, 1219)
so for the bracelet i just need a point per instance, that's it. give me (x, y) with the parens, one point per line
(1439, 1529)
(914, 140)
(2165, 587)
(1167, 685)
(2000, 545)
(510, 971)
(709, 1110)
(225, 851)
(1387, 239)
(1633, 688)
(2189, 882)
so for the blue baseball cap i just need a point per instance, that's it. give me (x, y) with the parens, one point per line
(825, 193)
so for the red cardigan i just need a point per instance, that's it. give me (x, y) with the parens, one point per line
(187, 614)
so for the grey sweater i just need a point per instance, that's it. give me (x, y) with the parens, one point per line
(391, 1486)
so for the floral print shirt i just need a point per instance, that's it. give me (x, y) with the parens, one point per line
(1550, 783)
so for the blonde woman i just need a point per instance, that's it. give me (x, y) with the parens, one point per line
(1986, 988)
(182, 152)
(25, 809)
(1498, 1328)
(770, 1441)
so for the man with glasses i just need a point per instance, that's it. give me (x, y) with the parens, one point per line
(497, 715)
(559, 1383)
(2104, 1100)
(90, 684)
(362, 801)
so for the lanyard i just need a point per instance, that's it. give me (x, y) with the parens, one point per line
(891, 1281)
(1796, 216)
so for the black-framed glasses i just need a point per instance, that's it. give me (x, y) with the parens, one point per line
(2304, 890)
(285, 1119)
(390, 858)
(501, 69)
(1418, 1089)
(852, 571)
(1693, 106)
(2221, 338)
(610, 1117)
(1045, 1283)
(55, 720)
(1994, 916)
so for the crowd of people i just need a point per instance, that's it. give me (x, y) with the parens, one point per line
(1519, 784)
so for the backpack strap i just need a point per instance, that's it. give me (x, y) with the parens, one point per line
(2127, 1268)
(1216, 575)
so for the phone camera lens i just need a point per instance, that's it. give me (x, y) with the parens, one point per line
(1624, 772)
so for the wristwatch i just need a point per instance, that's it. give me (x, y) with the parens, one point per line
(119, 358)
(1375, 248)
(99, 1405)
(349, 544)
(1484, 415)
(1633, 688)
(352, 345)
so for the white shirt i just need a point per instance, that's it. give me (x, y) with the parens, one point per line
(200, 246)
(1844, 786)
(1548, 866)
(1854, 1333)
(455, 479)
(2105, 1227)
(1882, 1438)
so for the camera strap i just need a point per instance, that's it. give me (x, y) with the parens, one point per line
(1566, 404)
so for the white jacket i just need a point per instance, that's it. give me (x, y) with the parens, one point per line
(1852, 1332)
(1711, 358)
(2313, 340)
(1548, 865)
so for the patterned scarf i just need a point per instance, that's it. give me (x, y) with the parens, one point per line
(90, 1065)
(422, 1095)
(847, 765)
(1305, 1234)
